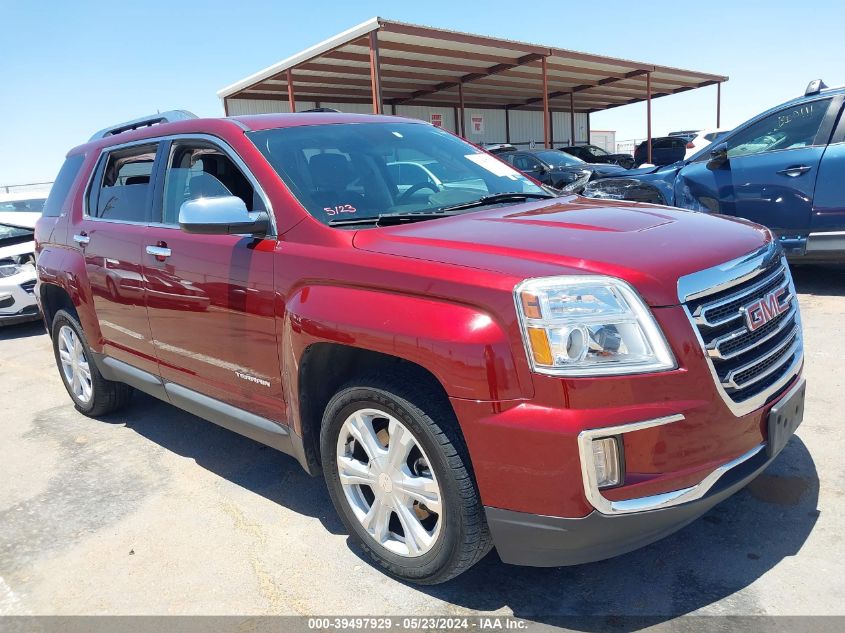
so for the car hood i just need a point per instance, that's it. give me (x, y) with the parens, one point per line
(22, 219)
(13, 250)
(646, 245)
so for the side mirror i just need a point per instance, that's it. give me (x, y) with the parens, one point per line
(226, 215)
(718, 156)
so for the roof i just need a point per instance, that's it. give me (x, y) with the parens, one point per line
(421, 65)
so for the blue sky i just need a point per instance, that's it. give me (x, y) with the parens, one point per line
(70, 68)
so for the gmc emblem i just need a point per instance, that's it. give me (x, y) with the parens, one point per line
(765, 309)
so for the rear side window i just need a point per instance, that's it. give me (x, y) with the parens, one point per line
(55, 203)
(124, 188)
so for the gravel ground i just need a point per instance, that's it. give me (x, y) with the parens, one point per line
(154, 511)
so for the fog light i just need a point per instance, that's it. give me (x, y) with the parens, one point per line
(606, 462)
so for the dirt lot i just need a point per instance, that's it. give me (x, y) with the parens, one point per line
(154, 511)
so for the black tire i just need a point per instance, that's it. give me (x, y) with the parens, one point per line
(464, 536)
(106, 396)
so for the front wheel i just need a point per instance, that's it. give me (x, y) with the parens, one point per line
(399, 477)
(92, 394)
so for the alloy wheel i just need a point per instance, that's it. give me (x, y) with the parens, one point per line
(389, 483)
(75, 364)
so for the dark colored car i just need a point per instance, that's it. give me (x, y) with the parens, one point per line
(468, 360)
(557, 169)
(782, 169)
(665, 150)
(595, 154)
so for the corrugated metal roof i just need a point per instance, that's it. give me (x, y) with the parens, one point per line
(421, 65)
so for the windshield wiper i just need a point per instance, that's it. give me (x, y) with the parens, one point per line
(392, 219)
(510, 196)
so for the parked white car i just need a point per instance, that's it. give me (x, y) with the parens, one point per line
(23, 202)
(702, 138)
(17, 267)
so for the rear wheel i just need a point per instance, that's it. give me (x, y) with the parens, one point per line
(399, 477)
(92, 394)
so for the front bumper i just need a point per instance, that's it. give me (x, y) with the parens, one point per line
(615, 528)
(17, 298)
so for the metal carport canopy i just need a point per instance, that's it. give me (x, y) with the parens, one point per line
(389, 63)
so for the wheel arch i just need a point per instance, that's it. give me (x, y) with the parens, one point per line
(325, 367)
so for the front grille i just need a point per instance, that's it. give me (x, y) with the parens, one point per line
(749, 363)
(29, 286)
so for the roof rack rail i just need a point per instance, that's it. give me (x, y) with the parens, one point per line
(144, 121)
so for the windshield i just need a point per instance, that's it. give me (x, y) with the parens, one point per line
(7, 231)
(33, 204)
(362, 170)
(557, 158)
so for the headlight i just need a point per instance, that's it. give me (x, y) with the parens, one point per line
(8, 268)
(589, 325)
(614, 189)
(578, 183)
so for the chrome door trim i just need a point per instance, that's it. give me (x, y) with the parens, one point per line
(158, 251)
(209, 138)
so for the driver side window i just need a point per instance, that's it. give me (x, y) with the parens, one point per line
(201, 170)
(789, 128)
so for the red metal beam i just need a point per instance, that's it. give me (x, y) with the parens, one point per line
(461, 109)
(375, 72)
(572, 118)
(718, 105)
(648, 112)
(446, 85)
(291, 97)
(546, 116)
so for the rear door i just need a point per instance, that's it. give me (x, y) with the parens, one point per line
(771, 172)
(211, 297)
(111, 235)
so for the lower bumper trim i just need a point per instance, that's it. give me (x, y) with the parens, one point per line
(543, 541)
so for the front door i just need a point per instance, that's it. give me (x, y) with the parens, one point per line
(770, 175)
(111, 236)
(210, 297)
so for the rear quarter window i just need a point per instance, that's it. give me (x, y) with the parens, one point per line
(61, 187)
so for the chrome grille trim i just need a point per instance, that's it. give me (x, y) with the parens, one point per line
(769, 362)
(791, 341)
(713, 347)
(701, 311)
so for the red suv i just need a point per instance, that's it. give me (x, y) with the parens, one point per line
(469, 359)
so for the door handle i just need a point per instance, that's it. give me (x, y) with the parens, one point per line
(158, 251)
(81, 238)
(795, 171)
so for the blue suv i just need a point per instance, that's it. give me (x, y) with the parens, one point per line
(785, 169)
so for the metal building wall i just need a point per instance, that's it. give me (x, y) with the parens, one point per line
(525, 126)
(425, 112)
(262, 106)
(562, 131)
(494, 125)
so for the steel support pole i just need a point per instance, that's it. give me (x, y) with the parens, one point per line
(718, 105)
(507, 125)
(547, 136)
(648, 112)
(461, 109)
(572, 118)
(375, 72)
(291, 97)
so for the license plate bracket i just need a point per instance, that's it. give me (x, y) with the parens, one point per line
(784, 419)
